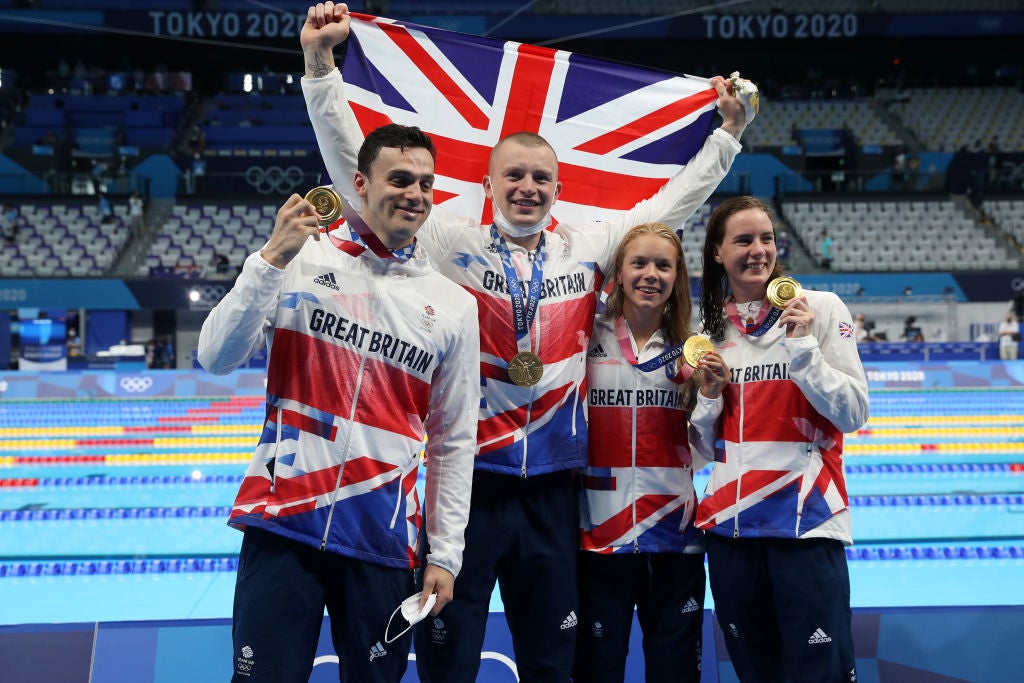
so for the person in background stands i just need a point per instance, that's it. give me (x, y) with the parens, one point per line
(826, 254)
(1009, 337)
(136, 214)
(106, 211)
(9, 223)
(784, 244)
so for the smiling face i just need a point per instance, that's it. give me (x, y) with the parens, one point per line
(647, 275)
(397, 193)
(523, 181)
(747, 253)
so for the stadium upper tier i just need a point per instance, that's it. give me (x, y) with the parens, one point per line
(67, 240)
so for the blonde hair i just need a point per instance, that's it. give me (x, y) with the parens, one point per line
(678, 311)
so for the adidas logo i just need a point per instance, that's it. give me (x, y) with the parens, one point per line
(690, 606)
(819, 637)
(327, 280)
(597, 352)
(569, 621)
(377, 650)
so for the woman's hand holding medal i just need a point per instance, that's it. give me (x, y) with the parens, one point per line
(699, 352)
(786, 294)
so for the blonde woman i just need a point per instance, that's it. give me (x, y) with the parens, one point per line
(639, 548)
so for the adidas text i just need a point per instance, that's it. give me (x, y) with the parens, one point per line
(819, 637)
(327, 280)
(690, 606)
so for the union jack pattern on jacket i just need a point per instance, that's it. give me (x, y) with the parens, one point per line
(550, 414)
(779, 427)
(367, 357)
(638, 493)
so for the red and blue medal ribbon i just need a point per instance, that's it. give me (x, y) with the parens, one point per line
(766, 318)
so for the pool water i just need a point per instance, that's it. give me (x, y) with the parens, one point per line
(115, 509)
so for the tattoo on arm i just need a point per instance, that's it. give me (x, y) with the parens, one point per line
(318, 68)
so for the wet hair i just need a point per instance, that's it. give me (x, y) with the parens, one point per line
(714, 281)
(392, 135)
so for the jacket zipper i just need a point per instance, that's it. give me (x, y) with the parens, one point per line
(739, 470)
(636, 538)
(344, 450)
(398, 498)
(277, 449)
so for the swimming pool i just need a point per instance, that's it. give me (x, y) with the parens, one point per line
(113, 509)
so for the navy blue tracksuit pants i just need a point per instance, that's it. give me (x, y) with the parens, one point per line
(667, 590)
(784, 607)
(522, 533)
(280, 594)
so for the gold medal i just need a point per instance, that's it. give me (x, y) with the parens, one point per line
(327, 203)
(782, 290)
(525, 369)
(695, 348)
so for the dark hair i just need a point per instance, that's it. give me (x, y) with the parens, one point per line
(714, 282)
(392, 135)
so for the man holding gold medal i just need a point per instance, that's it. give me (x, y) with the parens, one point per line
(535, 285)
(370, 351)
(776, 512)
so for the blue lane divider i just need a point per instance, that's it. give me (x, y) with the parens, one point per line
(51, 514)
(105, 567)
(230, 564)
(964, 552)
(161, 479)
(146, 480)
(938, 499)
(931, 468)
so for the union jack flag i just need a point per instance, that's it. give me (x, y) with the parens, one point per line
(620, 131)
(845, 330)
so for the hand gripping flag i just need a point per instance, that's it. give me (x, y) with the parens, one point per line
(620, 131)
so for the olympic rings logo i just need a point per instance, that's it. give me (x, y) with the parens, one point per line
(136, 385)
(486, 654)
(205, 297)
(274, 179)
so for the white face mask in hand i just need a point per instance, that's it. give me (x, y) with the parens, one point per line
(411, 612)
